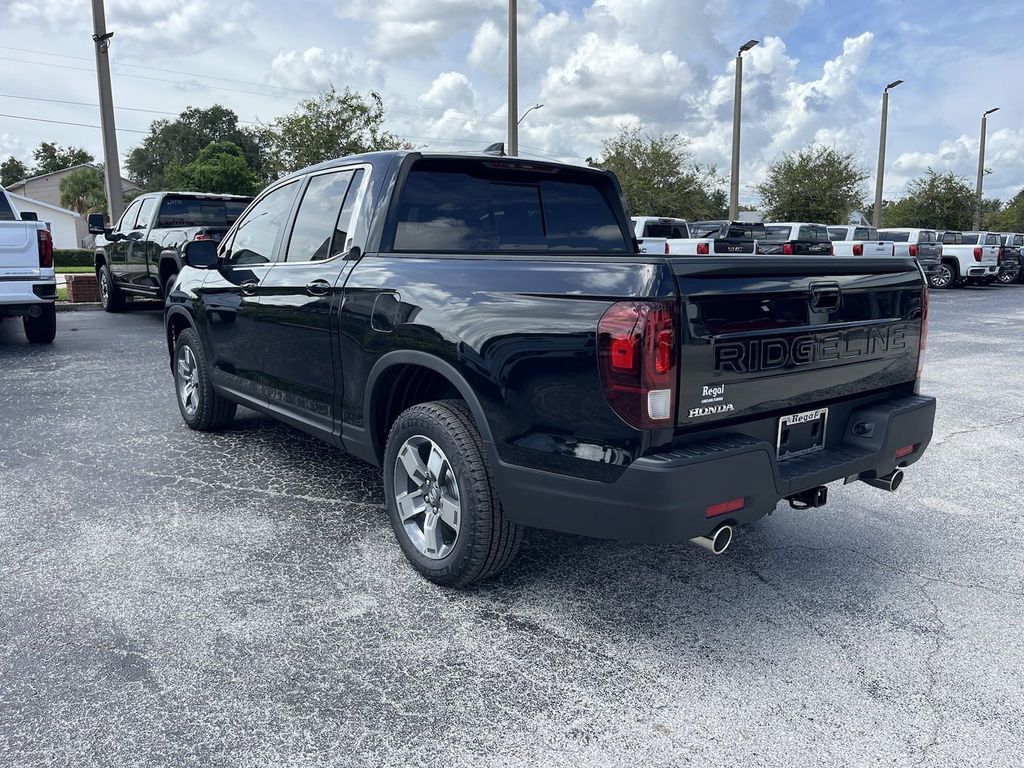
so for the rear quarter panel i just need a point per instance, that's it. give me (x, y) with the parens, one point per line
(521, 331)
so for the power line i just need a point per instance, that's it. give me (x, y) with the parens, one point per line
(83, 104)
(65, 122)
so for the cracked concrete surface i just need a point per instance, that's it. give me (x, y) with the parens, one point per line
(170, 598)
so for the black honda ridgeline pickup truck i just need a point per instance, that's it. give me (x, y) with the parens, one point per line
(485, 329)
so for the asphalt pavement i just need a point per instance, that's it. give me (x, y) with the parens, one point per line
(174, 598)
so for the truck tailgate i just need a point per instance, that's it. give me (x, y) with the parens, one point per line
(877, 248)
(782, 334)
(19, 255)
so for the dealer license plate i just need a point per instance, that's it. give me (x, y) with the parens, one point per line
(801, 433)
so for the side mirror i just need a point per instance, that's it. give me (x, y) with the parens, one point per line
(201, 254)
(29, 216)
(97, 223)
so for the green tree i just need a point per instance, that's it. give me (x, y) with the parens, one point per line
(939, 200)
(51, 157)
(659, 176)
(220, 167)
(180, 141)
(818, 184)
(84, 191)
(1010, 218)
(12, 170)
(334, 124)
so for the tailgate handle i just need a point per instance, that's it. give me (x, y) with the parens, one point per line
(824, 296)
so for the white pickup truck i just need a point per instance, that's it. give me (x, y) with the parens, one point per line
(858, 241)
(28, 287)
(653, 232)
(967, 257)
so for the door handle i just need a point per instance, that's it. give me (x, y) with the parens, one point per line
(249, 287)
(318, 288)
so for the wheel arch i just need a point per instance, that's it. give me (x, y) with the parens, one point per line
(385, 400)
(177, 321)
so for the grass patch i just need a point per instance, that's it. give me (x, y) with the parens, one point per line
(75, 270)
(62, 294)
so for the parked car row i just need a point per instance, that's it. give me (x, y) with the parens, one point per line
(950, 259)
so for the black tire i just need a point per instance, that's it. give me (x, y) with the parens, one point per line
(111, 298)
(42, 329)
(486, 540)
(209, 411)
(945, 276)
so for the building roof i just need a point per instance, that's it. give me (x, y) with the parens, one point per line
(124, 182)
(41, 204)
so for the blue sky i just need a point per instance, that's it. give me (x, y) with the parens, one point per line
(595, 64)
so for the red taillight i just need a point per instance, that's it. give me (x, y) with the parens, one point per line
(924, 332)
(858, 249)
(913, 250)
(977, 254)
(45, 249)
(831, 249)
(787, 249)
(636, 353)
(667, 249)
(703, 249)
(906, 450)
(726, 506)
(202, 236)
(1002, 253)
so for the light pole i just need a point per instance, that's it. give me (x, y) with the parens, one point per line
(115, 196)
(876, 218)
(513, 79)
(535, 106)
(734, 180)
(981, 167)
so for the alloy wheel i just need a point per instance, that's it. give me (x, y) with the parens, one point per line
(104, 288)
(188, 381)
(427, 497)
(943, 277)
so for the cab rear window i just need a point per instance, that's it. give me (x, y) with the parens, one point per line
(897, 237)
(6, 211)
(502, 206)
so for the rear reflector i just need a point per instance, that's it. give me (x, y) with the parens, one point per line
(726, 506)
(906, 450)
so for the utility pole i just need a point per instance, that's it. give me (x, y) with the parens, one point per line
(734, 179)
(112, 171)
(981, 168)
(513, 79)
(876, 217)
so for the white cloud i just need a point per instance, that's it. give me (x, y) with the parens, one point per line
(315, 69)
(450, 89)
(1004, 158)
(418, 27)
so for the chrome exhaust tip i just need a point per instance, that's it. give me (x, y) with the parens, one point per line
(717, 541)
(888, 482)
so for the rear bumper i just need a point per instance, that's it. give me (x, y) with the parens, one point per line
(983, 270)
(19, 295)
(664, 498)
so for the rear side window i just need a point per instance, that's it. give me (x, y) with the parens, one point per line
(838, 233)
(776, 234)
(952, 238)
(317, 219)
(146, 213)
(970, 239)
(6, 211)
(926, 236)
(705, 229)
(479, 208)
(257, 233)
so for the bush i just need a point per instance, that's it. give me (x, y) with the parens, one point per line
(72, 257)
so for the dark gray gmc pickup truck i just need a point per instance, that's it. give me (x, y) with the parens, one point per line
(486, 331)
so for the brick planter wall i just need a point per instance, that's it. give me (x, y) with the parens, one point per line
(82, 288)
